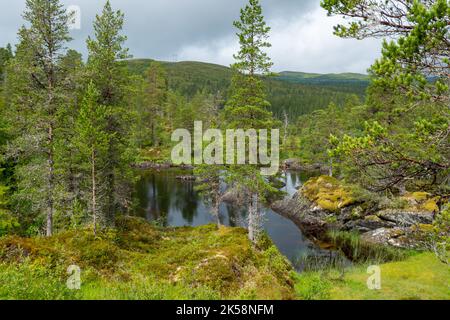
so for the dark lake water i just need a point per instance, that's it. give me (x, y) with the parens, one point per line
(176, 203)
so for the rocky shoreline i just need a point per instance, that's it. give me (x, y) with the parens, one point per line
(322, 204)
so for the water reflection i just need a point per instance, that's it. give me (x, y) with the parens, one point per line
(172, 202)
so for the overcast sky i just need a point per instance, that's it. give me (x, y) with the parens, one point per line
(201, 30)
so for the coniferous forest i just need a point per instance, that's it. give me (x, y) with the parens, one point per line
(92, 205)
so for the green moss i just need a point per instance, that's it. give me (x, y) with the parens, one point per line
(421, 201)
(329, 193)
(139, 260)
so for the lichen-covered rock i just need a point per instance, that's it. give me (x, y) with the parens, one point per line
(368, 223)
(324, 203)
(400, 237)
(404, 218)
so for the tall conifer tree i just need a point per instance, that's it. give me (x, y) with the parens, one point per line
(247, 107)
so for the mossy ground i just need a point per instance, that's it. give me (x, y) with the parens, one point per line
(421, 276)
(141, 261)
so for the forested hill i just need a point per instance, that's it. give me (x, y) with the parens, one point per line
(297, 93)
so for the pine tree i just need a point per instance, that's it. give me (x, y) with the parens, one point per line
(35, 97)
(110, 77)
(247, 107)
(72, 70)
(92, 141)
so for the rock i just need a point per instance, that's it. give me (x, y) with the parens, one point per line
(370, 222)
(323, 203)
(382, 235)
(328, 193)
(406, 238)
(232, 196)
(406, 218)
(309, 217)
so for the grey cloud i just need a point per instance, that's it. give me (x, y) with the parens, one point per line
(162, 29)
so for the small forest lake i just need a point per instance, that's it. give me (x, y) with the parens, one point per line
(171, 202)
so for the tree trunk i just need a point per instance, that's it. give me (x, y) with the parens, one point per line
(94, 192)
(51, 179)
(286, 126)
(216, 211)
(253, 227)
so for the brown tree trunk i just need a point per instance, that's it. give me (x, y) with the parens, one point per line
(51, 179)
(253, 218)
(94, 192)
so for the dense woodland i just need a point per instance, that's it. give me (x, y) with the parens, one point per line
(72, 127)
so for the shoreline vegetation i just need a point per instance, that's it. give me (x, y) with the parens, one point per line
(138, 260)
(73, 130)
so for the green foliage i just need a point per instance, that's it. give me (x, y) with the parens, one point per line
(92, 141)
(404, 144)
(6, 54)
(439, 239)
(29, 281)
(110, 77)
(138, 260)
(8, 223)
(36, 94)
(247, 107)
(312, 286)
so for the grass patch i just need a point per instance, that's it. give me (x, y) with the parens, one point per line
(421, 276)
(359, 251)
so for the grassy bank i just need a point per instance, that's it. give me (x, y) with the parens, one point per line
(420, 276)
(141, 261)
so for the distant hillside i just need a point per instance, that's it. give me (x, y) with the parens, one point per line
(297, 93)
(347, 82)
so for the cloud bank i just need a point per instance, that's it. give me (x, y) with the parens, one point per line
(202, 30)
